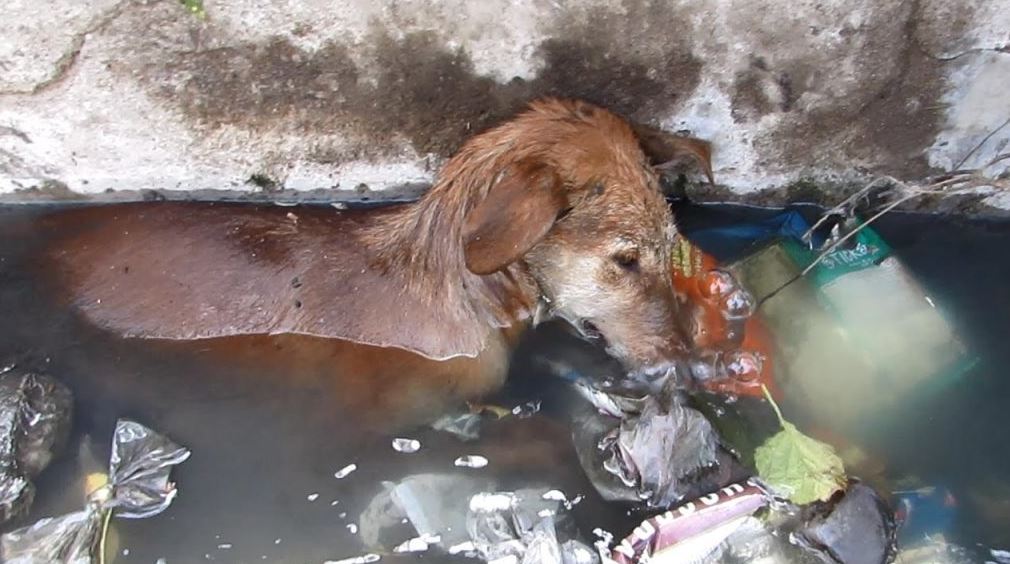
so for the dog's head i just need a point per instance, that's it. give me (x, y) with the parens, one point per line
(576, 198)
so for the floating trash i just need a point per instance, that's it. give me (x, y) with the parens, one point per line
(469, 516)
(471, 461)
(35, 418)
(312, 497)
(407, 446)
(462, 548)
(466, 426)
(692, 531)
(352, 528)
(137, 487)
(555, 495)
(418, 544)
(366, 559)
(345, 471)
(487, 502)
(527, 409)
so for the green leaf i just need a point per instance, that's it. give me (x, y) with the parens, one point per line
(801, 468)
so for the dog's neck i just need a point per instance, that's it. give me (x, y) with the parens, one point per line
(425, 241)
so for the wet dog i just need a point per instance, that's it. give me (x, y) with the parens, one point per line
(557, 212)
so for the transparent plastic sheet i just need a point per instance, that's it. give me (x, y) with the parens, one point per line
(465, 426)
(35, 418)
(466, 515)
(435, 505)
(138, 487)
(528, 528)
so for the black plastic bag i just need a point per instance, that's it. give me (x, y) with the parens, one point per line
(138, 487)
(35, 419)
(653, 449)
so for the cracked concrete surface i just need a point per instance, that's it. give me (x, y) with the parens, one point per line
(134, 96)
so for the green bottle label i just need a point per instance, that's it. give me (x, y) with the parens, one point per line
(869, 249)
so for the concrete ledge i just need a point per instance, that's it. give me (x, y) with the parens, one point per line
(141, 96)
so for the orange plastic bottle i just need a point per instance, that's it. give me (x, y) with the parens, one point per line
(722, 325)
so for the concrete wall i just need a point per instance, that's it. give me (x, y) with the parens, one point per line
(114, 95)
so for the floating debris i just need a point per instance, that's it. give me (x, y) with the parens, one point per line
(312, 497)
(345, 471)
(352, 528)
(366, 559)
(138, 487)
(471, 461)
(463, 547)
(408, 446)
(466, 426)
(555, 495)
(528, 409)
(487, 502)
(418, 544)
(35, 419)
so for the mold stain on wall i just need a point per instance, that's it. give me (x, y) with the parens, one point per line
(420, 89)
(883, 122)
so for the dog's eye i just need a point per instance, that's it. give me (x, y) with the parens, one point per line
(627, 259)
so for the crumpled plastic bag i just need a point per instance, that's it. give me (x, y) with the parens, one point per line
(35, 418)
(466, 515)
(138, 487)
(649, 449)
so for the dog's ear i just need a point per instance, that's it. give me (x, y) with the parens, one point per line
(517, 212)
(666, 150)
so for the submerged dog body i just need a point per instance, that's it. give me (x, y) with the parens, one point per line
(557, 211)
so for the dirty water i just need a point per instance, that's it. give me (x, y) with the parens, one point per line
(261, 484)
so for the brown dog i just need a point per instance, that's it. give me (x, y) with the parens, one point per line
(557, 211)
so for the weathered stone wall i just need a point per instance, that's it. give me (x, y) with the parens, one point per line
(129, 95)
